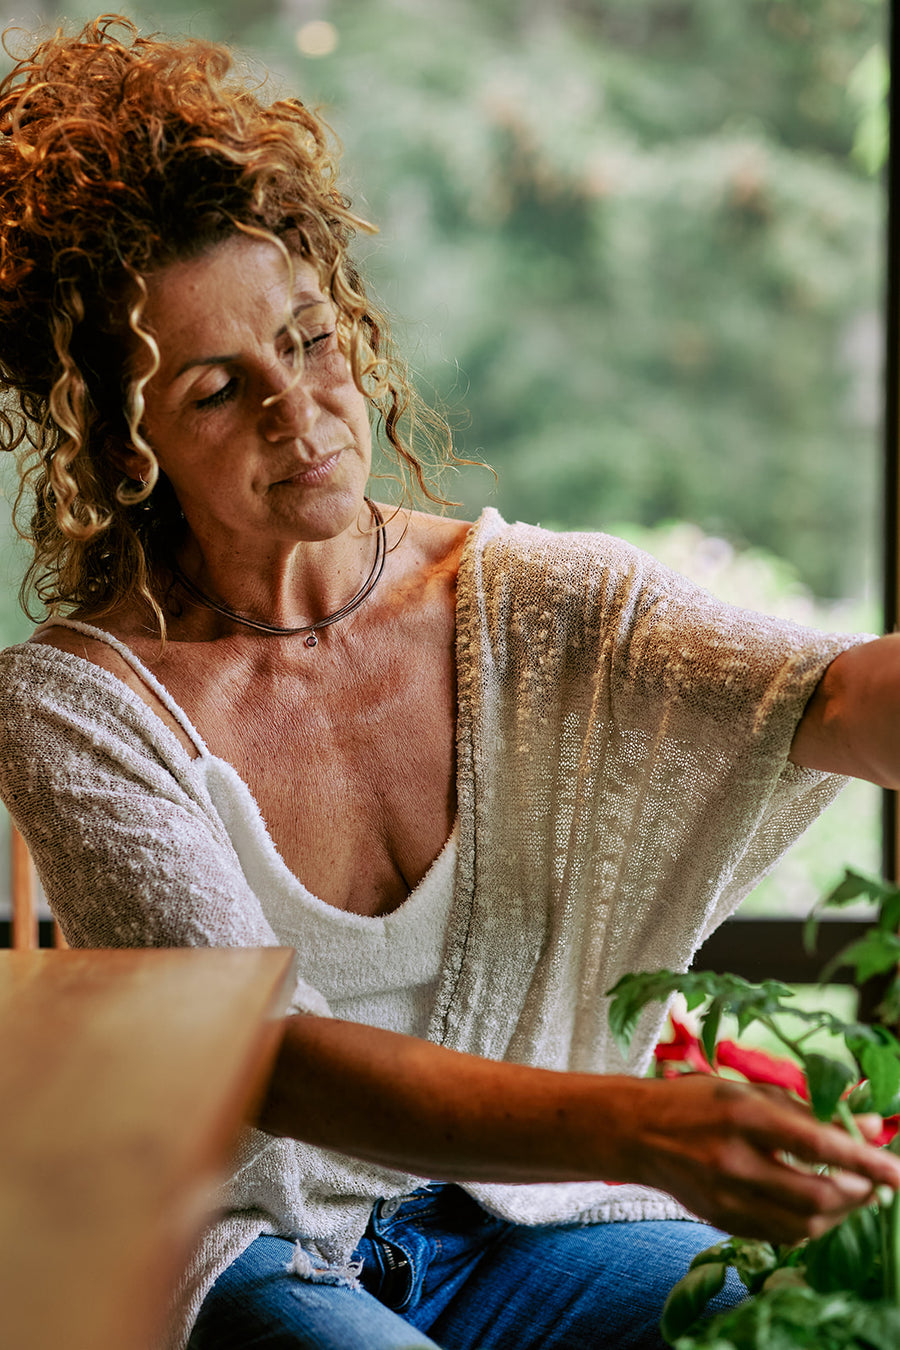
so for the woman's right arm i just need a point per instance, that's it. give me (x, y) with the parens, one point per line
(717, 1146)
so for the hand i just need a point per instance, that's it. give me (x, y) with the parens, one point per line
(745, 1158)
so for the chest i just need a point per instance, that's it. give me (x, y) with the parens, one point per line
(349, 755)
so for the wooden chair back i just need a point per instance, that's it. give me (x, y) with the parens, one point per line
(23, 886)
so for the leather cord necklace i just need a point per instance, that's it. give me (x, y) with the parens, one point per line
(310, 629)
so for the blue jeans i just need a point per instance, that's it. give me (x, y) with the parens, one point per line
(440, 1272)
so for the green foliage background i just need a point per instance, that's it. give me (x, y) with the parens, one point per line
(631, 246)
(634, 248)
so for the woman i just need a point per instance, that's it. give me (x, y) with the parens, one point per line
(472, 774)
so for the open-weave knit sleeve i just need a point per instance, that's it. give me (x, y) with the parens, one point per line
(126, 841)
(624, 771)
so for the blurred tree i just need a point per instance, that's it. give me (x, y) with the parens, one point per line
(634, 253)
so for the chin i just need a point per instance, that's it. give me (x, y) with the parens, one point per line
(328, 520)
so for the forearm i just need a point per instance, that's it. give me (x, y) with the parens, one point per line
(419, 1107)
(852, 723)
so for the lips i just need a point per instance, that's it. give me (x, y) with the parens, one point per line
(312, 473)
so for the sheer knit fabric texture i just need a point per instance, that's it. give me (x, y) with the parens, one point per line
(622, 783)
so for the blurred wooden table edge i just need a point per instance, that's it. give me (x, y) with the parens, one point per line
(125, 1077)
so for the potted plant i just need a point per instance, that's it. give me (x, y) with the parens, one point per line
(840, 1290)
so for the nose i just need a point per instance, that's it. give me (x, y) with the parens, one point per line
(290, 410)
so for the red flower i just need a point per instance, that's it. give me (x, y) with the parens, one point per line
(758, 1067)
(685, 1054)
(684, 1048)
(889, 1127)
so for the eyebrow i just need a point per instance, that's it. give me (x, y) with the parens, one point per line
(309, 303)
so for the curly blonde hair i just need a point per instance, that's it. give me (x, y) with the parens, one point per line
(118, 155)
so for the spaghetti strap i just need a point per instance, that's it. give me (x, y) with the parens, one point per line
(139, 669)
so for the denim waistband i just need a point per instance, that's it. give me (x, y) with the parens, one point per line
(434, 1197)
(405, 1233)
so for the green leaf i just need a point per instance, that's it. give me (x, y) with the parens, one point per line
(889, 915)
(746, 1001)
(860, 1034)
(845, 1256)
(827, 1079)
(754, 1261)
(632, 994)
(710, 1029)
(688, 1298)
(880, 1065)
(746, 1016)
(716, 1254)
(789, 1316)
(860, 1099)
(786, 1275)
(853, 887)
(856, 884)
(874, 953)
(888, 1009)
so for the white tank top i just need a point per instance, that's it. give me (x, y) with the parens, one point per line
(381, 970)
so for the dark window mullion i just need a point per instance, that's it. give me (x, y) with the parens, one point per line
(891, 813)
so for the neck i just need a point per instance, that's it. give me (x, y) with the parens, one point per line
(281, 619)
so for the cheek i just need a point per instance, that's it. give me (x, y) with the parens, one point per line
(362, 426)
(350, 405)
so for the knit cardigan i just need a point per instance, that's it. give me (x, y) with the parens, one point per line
(623, 781)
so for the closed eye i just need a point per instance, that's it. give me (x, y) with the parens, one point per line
(220, 396)
(312, 342)
(309, 346)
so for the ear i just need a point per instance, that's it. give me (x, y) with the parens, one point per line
(134, 465)
(128, 461)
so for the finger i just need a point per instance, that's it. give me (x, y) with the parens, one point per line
(772, 1199)
(808, 1194)
(869, 1124)
(756, 1193)
(776, 1216)
(833, 1148)
(794, 1130)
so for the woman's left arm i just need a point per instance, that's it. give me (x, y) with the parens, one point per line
(851, 724)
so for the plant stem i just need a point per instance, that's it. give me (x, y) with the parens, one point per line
(848, 1120)
(891, 1220)
(791, 1044)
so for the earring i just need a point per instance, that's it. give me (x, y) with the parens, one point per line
(128, 490)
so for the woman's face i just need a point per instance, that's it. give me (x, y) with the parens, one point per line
(247, 470)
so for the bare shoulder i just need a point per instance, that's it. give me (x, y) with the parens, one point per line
(101, 654)
(435, 541)
(91, 649)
